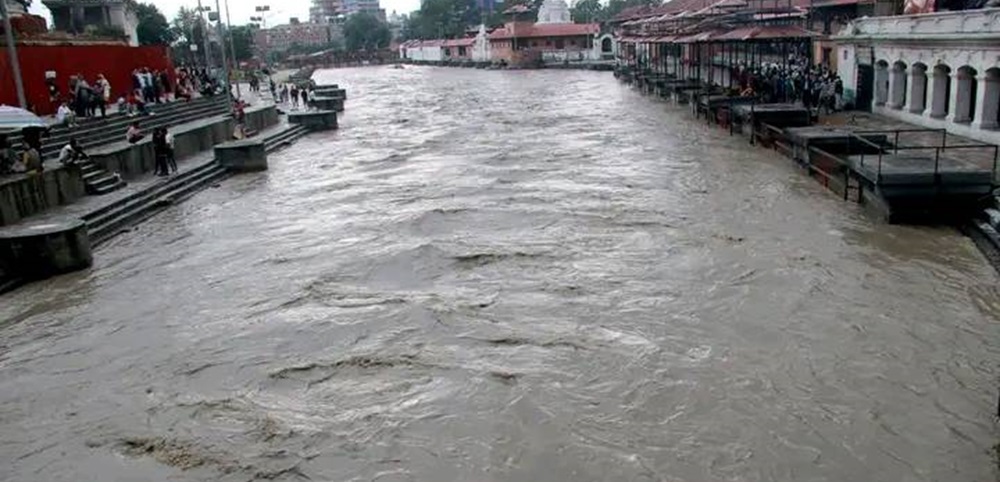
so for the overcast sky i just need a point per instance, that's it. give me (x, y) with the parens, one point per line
(242, 10)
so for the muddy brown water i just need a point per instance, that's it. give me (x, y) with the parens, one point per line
(508, 276)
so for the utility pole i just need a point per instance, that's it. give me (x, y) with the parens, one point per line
(225, 63)
(15, 64)
(232, 48)
(204, 36)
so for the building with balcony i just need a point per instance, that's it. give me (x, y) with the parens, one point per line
(937, 70)
(96, 16)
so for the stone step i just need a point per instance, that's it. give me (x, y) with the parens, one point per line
(61, 135)
(104, 181)
(139, 197)
(104, 223)
(108, 188)
(993, 217)
(285, 138)
(117, 133)
(170, 193)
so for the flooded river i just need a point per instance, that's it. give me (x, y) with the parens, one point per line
(508, 276)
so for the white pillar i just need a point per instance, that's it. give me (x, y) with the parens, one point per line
(881, 86)
(988, 103)
(897, 87)
(917, 100)
(938, 94)
(961, 96)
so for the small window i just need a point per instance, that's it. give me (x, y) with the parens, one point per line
(548, 43)
(572, 43)
(461, 51)
(560, 44)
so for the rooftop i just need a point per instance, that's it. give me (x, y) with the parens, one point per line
(545, 30)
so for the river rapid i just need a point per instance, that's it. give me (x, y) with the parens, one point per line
(508, 276)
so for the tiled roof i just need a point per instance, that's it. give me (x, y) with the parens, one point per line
(459, 42)
(546, 30)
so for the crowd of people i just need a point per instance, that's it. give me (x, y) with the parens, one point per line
(292, 94)
(84, 99)
(816, 86)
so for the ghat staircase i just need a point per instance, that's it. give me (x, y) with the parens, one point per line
(97, 132)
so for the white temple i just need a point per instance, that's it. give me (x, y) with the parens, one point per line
(554, 11)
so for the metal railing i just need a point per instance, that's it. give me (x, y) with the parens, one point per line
(881, 150)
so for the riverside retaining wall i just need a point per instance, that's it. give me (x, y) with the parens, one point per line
(23, 195)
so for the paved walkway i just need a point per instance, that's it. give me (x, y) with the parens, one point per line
(982, 157)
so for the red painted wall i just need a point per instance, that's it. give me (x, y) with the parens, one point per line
(116, 62)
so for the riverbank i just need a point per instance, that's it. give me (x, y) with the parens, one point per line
(606, 66)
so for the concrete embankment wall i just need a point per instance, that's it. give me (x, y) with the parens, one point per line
(24, 195)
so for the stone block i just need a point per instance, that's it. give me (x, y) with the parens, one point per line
(335, 93)
(247, 155)
(316, 120)
(45, 249)
(328, 103)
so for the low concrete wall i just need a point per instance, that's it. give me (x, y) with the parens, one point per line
(22, 195)
(247, 155)
(314, 120)
(42, 250)
(189, 139)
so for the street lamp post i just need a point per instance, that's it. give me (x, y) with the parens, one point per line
(15, 64)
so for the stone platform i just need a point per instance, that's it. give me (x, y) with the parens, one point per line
(44, 249)
(776, 115)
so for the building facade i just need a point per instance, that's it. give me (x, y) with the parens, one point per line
(81, 16)
(282, 37)
(325, 11)
(372, 7)
(937, 70)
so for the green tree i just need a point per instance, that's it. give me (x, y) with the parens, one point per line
(587, 11)
(445, 18)
(363, 31)
(153, 28)
(242, 42)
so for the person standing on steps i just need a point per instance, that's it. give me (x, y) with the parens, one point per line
(295, 96)
(160, 151)
(305, 98)
(171, 160)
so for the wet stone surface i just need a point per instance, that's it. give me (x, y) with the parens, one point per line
(508, 276)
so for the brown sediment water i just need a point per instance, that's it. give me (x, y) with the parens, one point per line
(508, 276)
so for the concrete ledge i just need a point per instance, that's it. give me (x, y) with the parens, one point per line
(328, 103)
(331, 92)
(22, 195)
(242, 156)
(132, 160)
(42, 250)
(316, 120)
